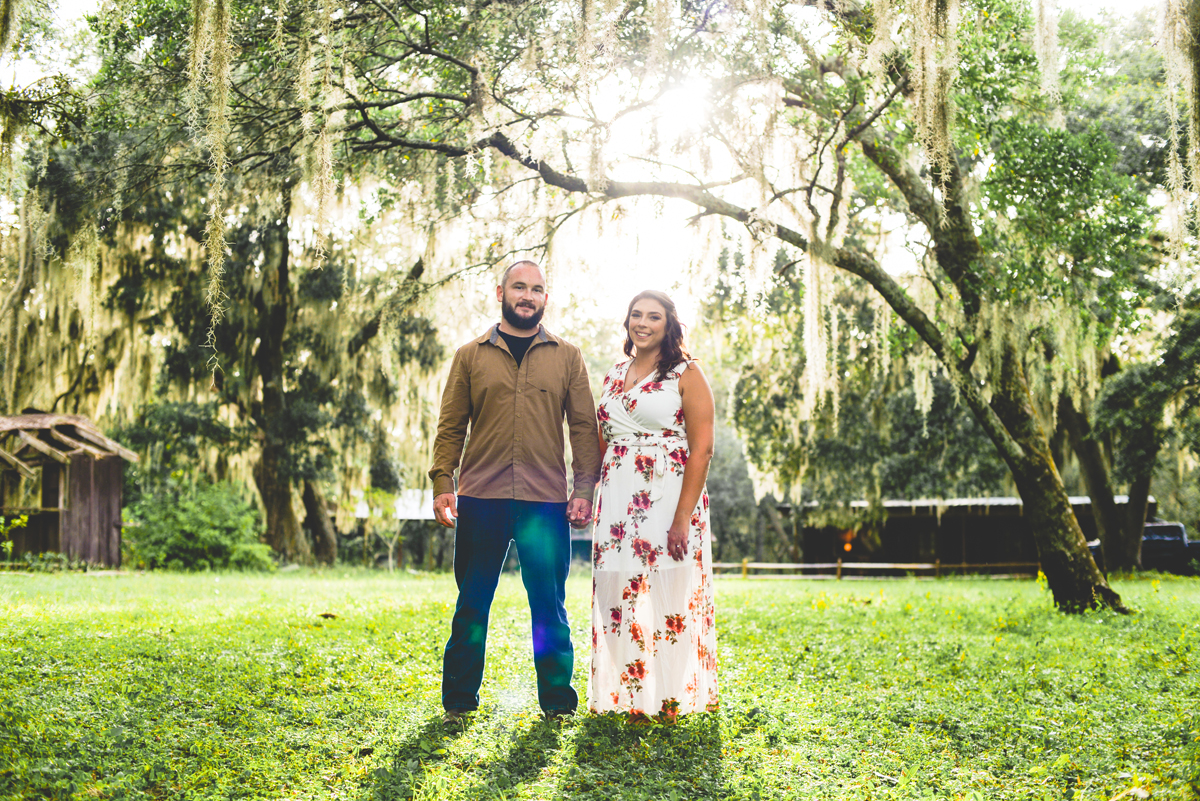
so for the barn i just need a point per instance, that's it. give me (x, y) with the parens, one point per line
(976, 531)
(61, 472)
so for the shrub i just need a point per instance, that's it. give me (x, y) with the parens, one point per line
(7, 526)
(195, 527)
(52, 562)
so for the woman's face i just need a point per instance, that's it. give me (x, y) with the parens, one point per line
(647, 325)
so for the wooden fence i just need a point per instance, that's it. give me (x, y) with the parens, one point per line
(840, 568)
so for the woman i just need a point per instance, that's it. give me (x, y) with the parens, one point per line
(653, 639)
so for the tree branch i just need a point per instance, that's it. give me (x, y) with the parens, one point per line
(919, 198)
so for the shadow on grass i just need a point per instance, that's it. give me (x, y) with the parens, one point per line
(606, 759)
(616, 760)
(406, 776)
(531, 751)
(402, 777)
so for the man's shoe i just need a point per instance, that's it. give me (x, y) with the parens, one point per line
(553, 715)
(451, 716)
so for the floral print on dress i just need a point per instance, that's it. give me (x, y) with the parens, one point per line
(653, 617)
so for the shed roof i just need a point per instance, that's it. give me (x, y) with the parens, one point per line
(29, 440)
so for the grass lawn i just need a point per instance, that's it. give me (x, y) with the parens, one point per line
(218, 686)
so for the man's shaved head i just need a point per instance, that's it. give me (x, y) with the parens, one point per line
(515, 265)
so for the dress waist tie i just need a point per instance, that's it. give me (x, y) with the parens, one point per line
(659, 449)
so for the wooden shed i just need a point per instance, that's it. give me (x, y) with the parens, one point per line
(66, 476)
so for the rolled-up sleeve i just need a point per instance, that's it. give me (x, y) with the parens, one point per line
(452, 426)
(581, 423)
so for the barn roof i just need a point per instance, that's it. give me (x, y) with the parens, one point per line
(996, 506)
(29, 440)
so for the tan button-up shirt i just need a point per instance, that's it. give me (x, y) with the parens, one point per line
(516, 422)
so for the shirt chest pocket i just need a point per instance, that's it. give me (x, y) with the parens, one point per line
(547, 395)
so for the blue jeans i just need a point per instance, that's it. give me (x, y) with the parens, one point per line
(486, 526)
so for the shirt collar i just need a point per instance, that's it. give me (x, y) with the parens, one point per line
(493, 335)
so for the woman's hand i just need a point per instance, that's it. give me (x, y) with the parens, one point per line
(677, 537)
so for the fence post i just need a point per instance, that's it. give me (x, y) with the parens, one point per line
(839, 573)
(745, 566)
(937, 568)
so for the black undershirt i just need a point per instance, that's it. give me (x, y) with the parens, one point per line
(518, 345)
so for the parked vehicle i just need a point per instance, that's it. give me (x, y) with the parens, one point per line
(1165, 547)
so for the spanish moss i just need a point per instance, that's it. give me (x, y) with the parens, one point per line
(216, 137)
(1046, 45)
(1179, 41)
(935, 66)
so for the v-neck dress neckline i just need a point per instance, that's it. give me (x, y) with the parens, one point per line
(625, 388)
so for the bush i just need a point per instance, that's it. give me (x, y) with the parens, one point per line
(7, 526)
(195, 527)
(51, 562)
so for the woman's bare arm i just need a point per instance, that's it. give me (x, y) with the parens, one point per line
(699, 415)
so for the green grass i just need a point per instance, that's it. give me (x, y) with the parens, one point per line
(203, 686)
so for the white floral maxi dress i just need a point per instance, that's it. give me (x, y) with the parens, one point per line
(654, 643)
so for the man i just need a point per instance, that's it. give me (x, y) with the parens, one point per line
(513, 386)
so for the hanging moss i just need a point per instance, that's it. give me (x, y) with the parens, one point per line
(281, 13)
(209, 81)
(835, 392)
(198, 52)
(1046, 46)
(922, 362)
(304, 73)
(817, 377)
(882, 318)
(320, 159)
(882, 47)
(82, 260)
(934, 68)
(1179, 42)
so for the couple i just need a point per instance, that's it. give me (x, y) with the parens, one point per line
(653, 638)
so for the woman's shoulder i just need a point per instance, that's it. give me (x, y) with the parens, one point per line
(616, 372)
(618, 368)
(684, 366)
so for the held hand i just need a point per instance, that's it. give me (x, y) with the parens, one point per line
(445, 509)
(677, 545)
(579, 512)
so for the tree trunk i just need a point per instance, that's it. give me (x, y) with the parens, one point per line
(1135, 521)
(273, 304)
(1075, 581)
(1096, 478)
(316, 516)
(772, 517)
(284, 533)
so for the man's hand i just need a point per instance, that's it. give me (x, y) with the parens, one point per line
(579, 512)
(445, 509)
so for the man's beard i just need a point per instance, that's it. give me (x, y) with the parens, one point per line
(511, 317)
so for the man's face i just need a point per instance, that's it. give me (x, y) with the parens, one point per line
(523, 297)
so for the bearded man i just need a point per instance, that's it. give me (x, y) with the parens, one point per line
(512, 388)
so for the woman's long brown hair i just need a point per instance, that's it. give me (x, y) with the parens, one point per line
(674, 346)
